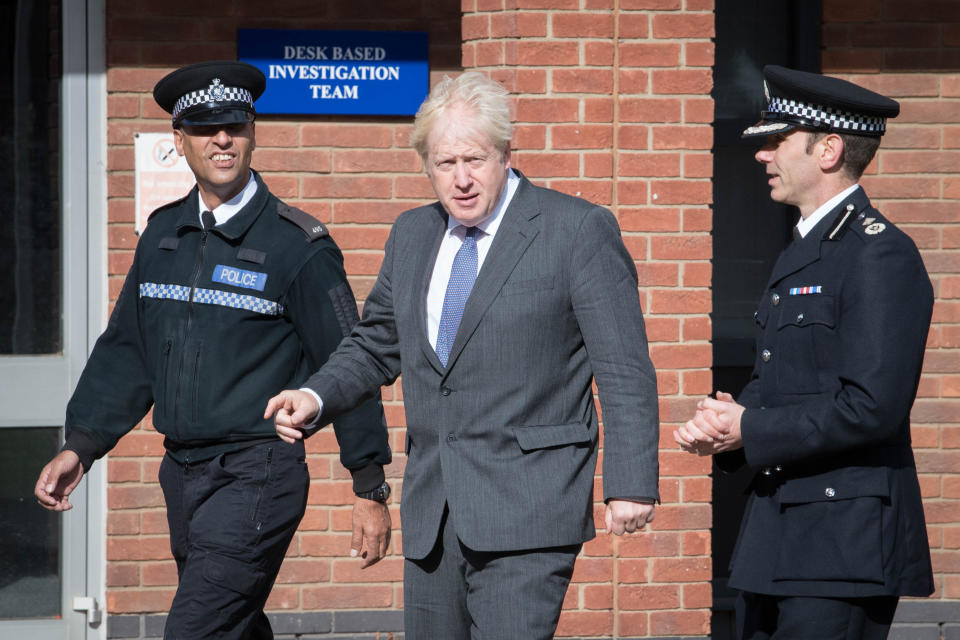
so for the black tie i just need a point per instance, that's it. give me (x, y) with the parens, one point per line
(208, 220)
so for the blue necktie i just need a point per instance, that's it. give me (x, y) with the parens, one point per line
(462, 276)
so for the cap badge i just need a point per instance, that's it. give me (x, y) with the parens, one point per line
(217, 90)
(766, 91)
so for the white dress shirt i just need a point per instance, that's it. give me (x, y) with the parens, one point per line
(232, 206)
(452, 239)
(806, 224)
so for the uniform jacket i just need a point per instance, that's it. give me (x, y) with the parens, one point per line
(506, 434)
(211, 324)
(835, 506)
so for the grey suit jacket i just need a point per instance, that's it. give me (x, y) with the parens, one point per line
(507, 434)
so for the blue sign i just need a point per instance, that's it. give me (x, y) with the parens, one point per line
(338, 72)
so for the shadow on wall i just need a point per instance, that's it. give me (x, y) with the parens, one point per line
(195, 31)
(891, 36)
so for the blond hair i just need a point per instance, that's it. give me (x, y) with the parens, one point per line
(475, 91)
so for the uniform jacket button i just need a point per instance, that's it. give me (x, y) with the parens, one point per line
(775, 298)
(444, 391)
(800, 317)
(829, 492)
(765, 355)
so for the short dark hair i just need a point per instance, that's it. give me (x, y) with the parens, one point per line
(858, 151)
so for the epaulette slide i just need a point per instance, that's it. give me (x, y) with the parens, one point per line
(307, 223)
(169, 205)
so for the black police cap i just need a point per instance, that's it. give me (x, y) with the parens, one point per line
(798, 99)
(219, 92)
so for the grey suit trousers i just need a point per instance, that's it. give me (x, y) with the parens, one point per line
(456, 593)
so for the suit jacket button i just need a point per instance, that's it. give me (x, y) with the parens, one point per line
(775, 298)
(444, 391)
(830, 492)
(451, 437)
(765, 355)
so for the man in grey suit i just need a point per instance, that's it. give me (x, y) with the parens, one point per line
(500, 304)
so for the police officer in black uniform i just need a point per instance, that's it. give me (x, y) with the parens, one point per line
(833, 532)
(232, 296)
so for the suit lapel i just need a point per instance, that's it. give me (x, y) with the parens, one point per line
(422, 269)
(515, 234)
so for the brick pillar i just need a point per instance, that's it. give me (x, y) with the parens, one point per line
(612, 104)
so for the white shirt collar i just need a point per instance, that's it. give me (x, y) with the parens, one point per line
(492, 223)
(807, 224)
(232, 206)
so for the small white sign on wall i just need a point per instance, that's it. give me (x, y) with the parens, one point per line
(162, 175)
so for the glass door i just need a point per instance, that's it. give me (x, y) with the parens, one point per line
(45, 172)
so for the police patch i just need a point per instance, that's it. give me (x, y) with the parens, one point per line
(239, 277)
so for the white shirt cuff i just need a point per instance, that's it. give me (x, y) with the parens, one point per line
(316, 418)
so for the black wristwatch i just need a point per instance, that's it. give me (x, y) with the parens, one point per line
(380, 494)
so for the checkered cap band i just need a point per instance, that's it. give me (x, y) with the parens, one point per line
(214, 93)
(210, 296)
(835, 118)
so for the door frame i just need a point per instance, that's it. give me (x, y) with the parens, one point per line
(92, 124)
(85, 289)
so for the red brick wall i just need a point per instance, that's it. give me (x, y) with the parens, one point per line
(612, 103)
(911, 52)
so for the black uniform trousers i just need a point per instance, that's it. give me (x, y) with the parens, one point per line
(766, 617)
(231, 520)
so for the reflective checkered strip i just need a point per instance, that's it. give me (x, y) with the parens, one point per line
(214, 93)
(833, 117)
(165, 291)
(210, 296)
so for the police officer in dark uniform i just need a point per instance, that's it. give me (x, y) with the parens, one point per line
(833, 532)
(232, 296)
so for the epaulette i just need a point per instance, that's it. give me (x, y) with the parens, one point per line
(166, 207)
(870, 225)
(843, 223)
(307, 223)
